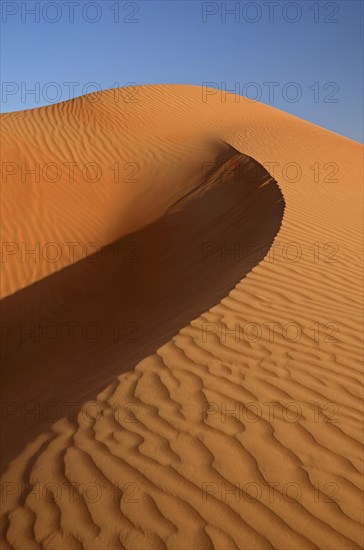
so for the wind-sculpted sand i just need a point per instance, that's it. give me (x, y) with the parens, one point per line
(224, 284)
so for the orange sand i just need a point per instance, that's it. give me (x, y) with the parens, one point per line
(228, 255)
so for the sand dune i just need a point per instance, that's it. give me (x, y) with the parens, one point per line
(227, 257)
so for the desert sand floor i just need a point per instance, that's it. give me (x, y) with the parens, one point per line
(199, 256)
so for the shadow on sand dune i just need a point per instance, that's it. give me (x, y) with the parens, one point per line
(69, 335)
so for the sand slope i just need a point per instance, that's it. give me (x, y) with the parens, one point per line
(244, 439)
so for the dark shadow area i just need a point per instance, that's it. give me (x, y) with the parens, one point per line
(66, 337)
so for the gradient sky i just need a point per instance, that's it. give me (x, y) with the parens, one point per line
(170, 41)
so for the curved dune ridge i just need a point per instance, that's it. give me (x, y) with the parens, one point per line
(170, 275)
(227, 252)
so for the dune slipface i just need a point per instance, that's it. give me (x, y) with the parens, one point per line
(214, 246)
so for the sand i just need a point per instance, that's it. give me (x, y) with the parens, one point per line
(187, 374)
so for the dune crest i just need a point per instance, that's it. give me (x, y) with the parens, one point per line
(244, 429)
(133, 296)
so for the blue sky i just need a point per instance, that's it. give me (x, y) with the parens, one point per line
(303, 57)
